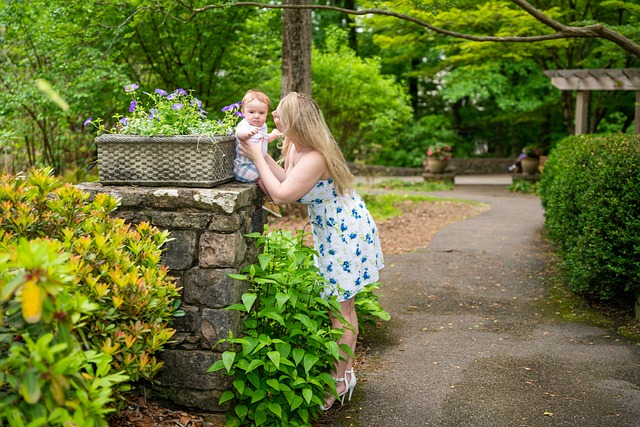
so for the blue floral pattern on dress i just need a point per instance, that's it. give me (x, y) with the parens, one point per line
(346, 239)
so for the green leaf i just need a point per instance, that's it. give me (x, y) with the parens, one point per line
(248, 300)
(30, 389)
(304, 414)
(238, 276)
(275, 316)
(332, 348)
(254, 364)
(309, 361)
(258, 395)
(307, 393)
(276, 409)
(298, 354)
(274, 356)
(261, 417)
(239, 385)
(241, 411)
(227, 358)
(281, 299)
(306, 321)
(264, 261)
(226, 396)
(219, 364)
(274, 384)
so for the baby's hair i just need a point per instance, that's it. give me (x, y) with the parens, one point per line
(304, 124)
(257, 95)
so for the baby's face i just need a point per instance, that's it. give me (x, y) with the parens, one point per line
(255, 112)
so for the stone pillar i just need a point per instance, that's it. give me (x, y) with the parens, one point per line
(207, 227)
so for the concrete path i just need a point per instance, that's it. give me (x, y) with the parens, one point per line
(474, 340)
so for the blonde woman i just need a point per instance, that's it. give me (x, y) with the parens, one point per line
(345, 236)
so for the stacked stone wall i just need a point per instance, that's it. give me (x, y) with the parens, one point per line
(207, 228)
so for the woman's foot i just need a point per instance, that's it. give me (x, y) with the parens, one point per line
(342, 388)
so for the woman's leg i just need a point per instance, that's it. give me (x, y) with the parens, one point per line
(349, 337)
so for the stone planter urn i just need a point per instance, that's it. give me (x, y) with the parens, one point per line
(177, 161)
(530, 165)
(436, 165)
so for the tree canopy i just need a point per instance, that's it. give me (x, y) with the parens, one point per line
(468, 72)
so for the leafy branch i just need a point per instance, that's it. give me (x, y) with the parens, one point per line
(561, 31)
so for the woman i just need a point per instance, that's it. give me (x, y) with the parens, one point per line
(345, 236)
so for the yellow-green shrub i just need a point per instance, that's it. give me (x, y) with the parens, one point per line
(46, 379)
(114, 265)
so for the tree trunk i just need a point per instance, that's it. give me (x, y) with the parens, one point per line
(296, 49)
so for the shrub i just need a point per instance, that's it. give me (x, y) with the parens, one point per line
(111, 264)
(590, 190)
(45, 377)
(281, 365)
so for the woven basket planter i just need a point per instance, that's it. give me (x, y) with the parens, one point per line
(172, 161)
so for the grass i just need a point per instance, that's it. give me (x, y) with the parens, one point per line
(399, 184)
(385, 206)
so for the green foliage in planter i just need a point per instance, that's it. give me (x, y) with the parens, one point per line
(45, 377)
(113, 265)
(281, 365)
(590, 190)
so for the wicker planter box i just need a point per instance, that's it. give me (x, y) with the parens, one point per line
(176, 161)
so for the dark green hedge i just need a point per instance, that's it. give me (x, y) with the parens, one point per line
(590, 190)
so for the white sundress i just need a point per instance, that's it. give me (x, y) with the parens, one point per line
(346, 239)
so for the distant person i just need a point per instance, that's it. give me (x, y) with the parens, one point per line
(252, 128)
(345, 236)
(517, 166)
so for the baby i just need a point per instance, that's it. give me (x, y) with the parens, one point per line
(255, 107)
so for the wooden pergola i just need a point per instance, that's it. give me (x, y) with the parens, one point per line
(584, 81)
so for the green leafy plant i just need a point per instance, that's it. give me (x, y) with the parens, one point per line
(111, 264)
(281, 365)
(522, 186)
(590, 191)
(532, 151)
(176, 113)
(45, 376)
(439, 151)
(368, 308)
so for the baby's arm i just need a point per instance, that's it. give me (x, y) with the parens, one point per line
(275, 134)
(246, 133)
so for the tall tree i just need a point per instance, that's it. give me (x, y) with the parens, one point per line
(296, 49)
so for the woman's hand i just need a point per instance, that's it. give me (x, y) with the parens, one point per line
(250, 150)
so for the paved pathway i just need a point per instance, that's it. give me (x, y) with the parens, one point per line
(474, 342)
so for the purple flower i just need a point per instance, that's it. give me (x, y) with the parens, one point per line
(131, 87)
(132, 106)
(239, 114)
(172, 96)
(181, 91)
(177, 106)
(197, 102)
(124, 121)
(161, 92)
(231, 107)
(153, 113)
(89, 120)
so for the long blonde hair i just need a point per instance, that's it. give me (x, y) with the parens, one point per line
(303, 123)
